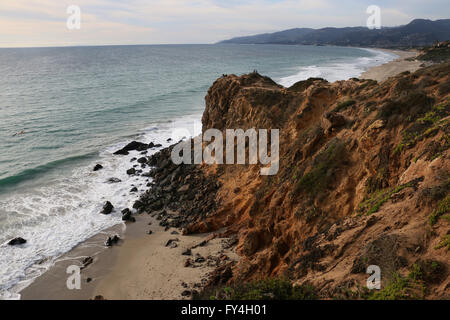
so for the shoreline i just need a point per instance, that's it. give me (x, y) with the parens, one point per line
(114, 167)
(394, 67)
(164, 264)
(139, 267)
(120, 272)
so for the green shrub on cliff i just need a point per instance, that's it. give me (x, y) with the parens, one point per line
(323, 172)
(268, 289)
(444, 243)
(443, 208)
(426, 126)
(400, 288)
(344, 105)
(436, 54)
(412, 286)
(373, 202)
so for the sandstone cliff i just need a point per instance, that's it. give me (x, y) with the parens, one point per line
(363, 180)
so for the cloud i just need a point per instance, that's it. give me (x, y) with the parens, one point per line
(43, 22)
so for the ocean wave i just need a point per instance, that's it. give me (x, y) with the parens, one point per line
(54, 218)
(340, 70)
(30, 174)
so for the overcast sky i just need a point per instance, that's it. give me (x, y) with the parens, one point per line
(43, 22)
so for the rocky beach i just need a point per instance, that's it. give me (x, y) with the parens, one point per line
(363, 180)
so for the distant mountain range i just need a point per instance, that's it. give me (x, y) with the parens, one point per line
(419, 32)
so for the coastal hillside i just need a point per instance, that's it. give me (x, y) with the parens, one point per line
(363, 180)
(419, 32)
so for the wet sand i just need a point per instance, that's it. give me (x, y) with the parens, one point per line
(390, 69)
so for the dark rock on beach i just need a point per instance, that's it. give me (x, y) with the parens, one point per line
(17, 241)
(187, 252)
(113, 180)
(172, 243)
(98, 167)
(138, 205)
(121, 152)
(107, 208)
(131, 171)
(127, 215)
(138, 146)
(142, 160)
(112, 241)
(87, 261)
(186, 293)
(180, 195)
(199, 258)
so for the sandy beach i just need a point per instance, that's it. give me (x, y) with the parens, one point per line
(390, 69)
(139, 267)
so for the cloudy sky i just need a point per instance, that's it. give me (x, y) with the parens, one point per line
(43, 22)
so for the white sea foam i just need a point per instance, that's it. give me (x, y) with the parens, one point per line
(339, 71)
(57, 217)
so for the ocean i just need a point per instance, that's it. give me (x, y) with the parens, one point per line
(78, 105)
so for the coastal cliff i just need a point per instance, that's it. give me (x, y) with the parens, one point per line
(363, 180)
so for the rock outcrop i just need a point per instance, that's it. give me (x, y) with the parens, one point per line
(363, 180)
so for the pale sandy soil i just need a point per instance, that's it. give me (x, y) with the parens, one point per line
(390, 69)
(147, 269)
(140, 267)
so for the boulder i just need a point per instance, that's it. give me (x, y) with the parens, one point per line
(172, 243)
(87, 261)
(157, 205)
(187, 252)
(17, 241)
(199, 258)
(142, 160)
(107, 208)
(126, 215)
(98, 167)
(138, 204)
(131, 171)
(121, 152)
(134, 145)
(188, 263)
(186, 293)
(112, 241)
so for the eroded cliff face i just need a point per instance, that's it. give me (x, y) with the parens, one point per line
(363, 180)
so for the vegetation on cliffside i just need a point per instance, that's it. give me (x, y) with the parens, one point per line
(363, 181)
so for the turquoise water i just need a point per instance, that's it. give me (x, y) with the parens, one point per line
(77, 105)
